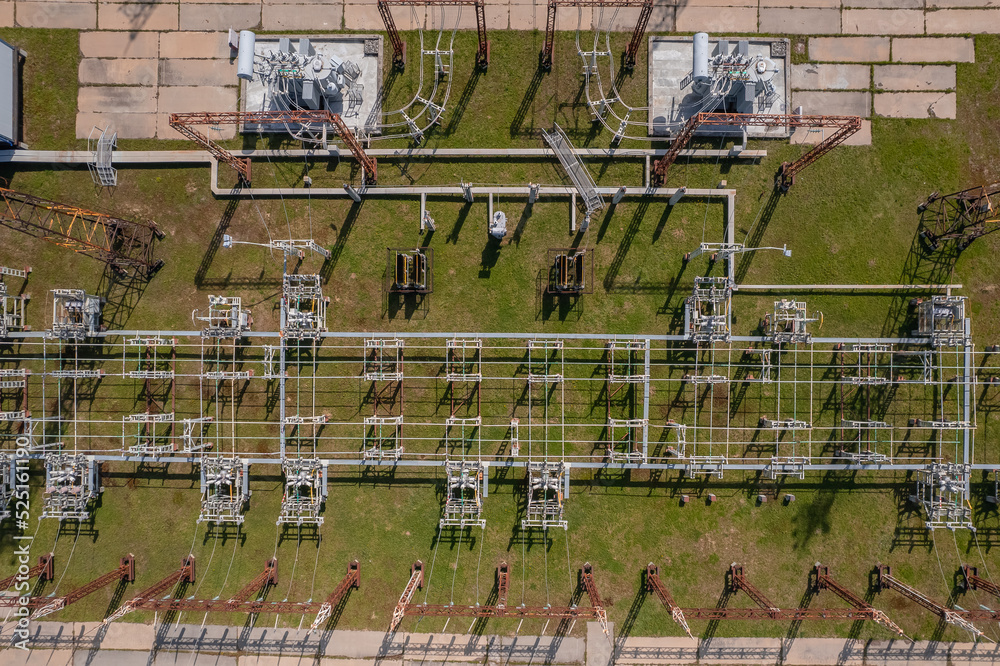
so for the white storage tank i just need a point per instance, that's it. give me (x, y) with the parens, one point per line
(245, 56)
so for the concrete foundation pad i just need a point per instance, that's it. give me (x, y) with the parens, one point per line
(804, 135)
(197, 73)
(834, 103)
(302, 17)
(6, 14)
(128, 125)
(716, 19)
(117, 99)
(497, 17)
(523, 17)
(883, 21)
(81, 16)
(179, 99)
(195, 45)
(934, 49)
(885, 4)
(366, 17)
(915, 77)
(849, 49)
(944, 4)
(219, 17)
(800, 21)
(136, 16)
(950, 21)
(831, 77)
(120, 71)
(663, 18)
(13, 657)
(599, 644)
(916, 105)
(118, 44)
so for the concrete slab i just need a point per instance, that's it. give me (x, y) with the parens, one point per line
(218, 17)
(165, 131)
(128, 126)
(663, 18)
(849, 49)
(113, 657)
(136, 16)
(448, 17)
(571, 18)
(949, 21)
(497, 17)
(524, 17)
(195, 45)
(599, 644)
(933, 49)
(716, 19)
(128, 635)
(915, 105)
(714, 3)
(119, 44)
(176, 99)
(302, 17)
(120, 71)
(197, 73)
(885, 4)
(117, 99)
(14, 657)
(835, 4)
(366, 17)
(834, 103)
(800, 21)
(883, 21)
(943, 4)
(812, 76)
(80, 16)
(915, 77)
(6, 14)
(812, 136)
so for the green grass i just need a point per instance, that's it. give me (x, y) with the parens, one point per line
(850, 218)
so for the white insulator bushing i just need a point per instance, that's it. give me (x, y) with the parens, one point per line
(699, 66)
(245, 56)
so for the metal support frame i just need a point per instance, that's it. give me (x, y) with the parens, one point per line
(942, 320)
(539, 368)
(557, 140)
(656, 586)
(225, 490)
(185, 123)
(72, 482)
(961, 216)
(707, 311)
(305, 491)
(825, 582)
(76, 315)
(303, 307)
(410, 270)
(351, 581)
(465, 488)
(45, 571)
(886, 581)
(145, 435)
(845, 126)
(383, 359)
(465, 360)
(11, 305)
(972, 581)
(546, 496)
(184, 575)
(788, 323)
(635, 43)
(943, 492)
(193, 438)
(124, 245)
(625, 440)
(124, 573)
(226, 318)
(571, 272)
(399, 48)
(8, 484)
(383, 438)
(101, 169)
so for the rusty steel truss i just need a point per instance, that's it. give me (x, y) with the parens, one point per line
(972, 580)
(405, 607)
(399, 48)
(960, 618)
(124, 245)
(961, 216)
(628, 58)
(45, 571)
(125, 572)
(152, 593)
(844, 127)
(186, 122)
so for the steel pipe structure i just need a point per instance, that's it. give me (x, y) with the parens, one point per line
(825, 582)
(125, 572)
(351, 581)
(596, 610)
(656, 586)
(185, 574)
(122, 244)
(628, 58)
(971, 580)
(399, 48)
(960, 619)
(186, 122)
(845, 126)
(45, 571)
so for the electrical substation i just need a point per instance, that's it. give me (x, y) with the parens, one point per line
(384, 337)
